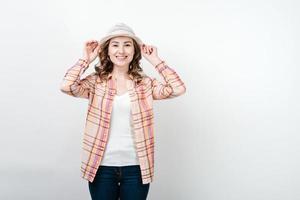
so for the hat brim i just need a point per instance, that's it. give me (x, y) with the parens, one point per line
(106, 38)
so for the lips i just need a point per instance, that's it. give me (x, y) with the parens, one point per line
(121, 57)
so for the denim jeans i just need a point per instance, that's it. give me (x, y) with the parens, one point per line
(113, 183)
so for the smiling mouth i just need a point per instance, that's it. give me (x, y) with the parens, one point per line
(121, 57)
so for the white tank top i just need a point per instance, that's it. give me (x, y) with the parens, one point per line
(120, 149)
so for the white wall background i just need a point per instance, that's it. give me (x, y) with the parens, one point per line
(234, 135)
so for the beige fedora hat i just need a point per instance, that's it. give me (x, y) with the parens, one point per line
(120, 29)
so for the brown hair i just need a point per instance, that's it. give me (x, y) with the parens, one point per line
(105, 66)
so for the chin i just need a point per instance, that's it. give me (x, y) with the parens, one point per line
(121, 64)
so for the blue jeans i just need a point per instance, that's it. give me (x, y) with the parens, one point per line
(112, 183)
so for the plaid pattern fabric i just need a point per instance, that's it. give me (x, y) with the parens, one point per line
(101, 95)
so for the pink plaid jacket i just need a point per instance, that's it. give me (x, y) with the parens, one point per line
(101, 95)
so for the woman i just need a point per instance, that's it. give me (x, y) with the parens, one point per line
(118, 141)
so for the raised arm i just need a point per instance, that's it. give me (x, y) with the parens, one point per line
(72, 83)
(173, 85)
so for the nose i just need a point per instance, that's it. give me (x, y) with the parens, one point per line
(121, 49)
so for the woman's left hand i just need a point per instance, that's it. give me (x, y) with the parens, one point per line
(150, 53)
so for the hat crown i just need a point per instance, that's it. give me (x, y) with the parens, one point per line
(121, 27)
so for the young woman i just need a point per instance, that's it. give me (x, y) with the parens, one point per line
(118, 142)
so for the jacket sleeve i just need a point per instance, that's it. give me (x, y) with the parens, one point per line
(172, 87)
(73, 85)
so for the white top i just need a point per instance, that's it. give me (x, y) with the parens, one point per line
(120, 149)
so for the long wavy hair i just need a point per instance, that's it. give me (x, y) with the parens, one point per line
(105, 66)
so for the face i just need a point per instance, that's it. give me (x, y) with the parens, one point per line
(121, 51)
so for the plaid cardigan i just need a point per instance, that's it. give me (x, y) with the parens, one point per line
(101, 95)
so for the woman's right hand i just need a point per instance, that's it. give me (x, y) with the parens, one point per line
(91, 50)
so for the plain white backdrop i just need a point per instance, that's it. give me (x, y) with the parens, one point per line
(234, 135)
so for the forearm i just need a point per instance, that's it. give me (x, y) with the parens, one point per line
(72, 77)
(174, 86)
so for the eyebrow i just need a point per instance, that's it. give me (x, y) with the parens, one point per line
(124, 42)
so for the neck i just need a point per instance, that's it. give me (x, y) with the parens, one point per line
(120, 72)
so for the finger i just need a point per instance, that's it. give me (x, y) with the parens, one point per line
(147, 49)
(95, 44)
(154, 49)
(143, 48)
(97, 49)
(90, 42)
(151, 49)
(94, 48)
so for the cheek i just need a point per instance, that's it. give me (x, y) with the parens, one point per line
(111, 51)
(131, 52)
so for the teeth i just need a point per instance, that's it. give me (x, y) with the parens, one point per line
(121, 57)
